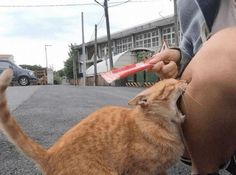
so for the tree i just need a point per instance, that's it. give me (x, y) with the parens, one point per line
(68, 68)
(68, 64)
(61, 72)
(58, 76)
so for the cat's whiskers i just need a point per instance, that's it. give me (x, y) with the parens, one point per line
(186, 92)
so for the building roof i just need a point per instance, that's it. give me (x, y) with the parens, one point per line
(137, 29)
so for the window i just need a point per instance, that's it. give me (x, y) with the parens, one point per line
(4, 65)
(148, 39)
(147, 42)
(169, 35)
(155, 38)
(139, 40)
(123, 44)
(104, 50)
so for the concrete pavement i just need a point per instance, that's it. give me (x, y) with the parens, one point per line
(16, 95)
(46, 112)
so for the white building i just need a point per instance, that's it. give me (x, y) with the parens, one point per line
(149, 36)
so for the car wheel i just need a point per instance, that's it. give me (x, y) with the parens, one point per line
(23, 81)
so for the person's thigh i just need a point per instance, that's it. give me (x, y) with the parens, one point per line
(210, 103)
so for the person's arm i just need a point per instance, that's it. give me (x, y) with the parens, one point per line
(186, 54)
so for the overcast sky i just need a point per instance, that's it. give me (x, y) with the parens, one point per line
(24, 31)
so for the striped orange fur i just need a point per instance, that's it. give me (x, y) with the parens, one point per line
(142, 140)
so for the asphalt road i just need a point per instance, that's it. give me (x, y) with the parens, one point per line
(46, 112)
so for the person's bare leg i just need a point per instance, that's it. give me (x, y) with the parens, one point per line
(210, 103)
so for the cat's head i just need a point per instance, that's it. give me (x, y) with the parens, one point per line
(161, 98)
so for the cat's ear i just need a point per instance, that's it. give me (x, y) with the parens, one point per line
(139, 100)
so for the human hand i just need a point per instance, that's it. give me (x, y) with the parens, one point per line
(165, 63)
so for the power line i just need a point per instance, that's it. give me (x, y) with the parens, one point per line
(98, 26)
(145, 1)
(112, 4)
(135, 1)
(101, 21)
(47, 5)
(120, 3)
(98, 3)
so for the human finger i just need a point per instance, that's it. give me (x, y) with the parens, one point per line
(166, 56)
(157, 67)
(161, 56)
(169, 67)
(172, 74)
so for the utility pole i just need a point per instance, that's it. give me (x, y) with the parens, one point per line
(108, 34)
(105, 6)
(95, 57)
(83, 51)
(46, 56)
(176, 24)
(75, 78)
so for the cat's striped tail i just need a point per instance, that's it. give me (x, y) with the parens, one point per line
(13, 131)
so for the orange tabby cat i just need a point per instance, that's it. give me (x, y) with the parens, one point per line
(144, 140)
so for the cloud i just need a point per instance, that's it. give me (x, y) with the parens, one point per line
(37, 25)
(133, 14)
